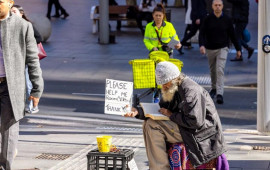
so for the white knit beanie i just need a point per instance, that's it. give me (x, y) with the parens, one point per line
(165, 72)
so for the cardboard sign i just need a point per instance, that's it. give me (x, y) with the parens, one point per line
(118, 97)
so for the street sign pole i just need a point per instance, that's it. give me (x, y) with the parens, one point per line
(104, 33)
(263, 92)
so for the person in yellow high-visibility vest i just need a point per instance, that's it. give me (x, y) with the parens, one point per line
(159, 33)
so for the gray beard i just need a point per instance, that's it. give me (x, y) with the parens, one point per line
(167, 95)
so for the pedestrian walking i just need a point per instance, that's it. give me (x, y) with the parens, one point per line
(188, 22)
(18, 10)
(58, 7)
(198, 13)
(215, 34)
(240, 13)
(18, 49)
(193, 120)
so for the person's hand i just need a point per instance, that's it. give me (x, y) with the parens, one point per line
(133, 113)
(238, 54)
(178, 46)
(198, 21)
(165, 112)
(155, 49)
(35, 100)
(202, 50)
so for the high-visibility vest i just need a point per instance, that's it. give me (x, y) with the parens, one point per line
(166, 32)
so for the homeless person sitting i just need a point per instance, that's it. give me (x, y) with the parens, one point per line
(194, 121)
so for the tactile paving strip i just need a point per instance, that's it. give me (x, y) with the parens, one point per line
(49, 156)
(202, 80)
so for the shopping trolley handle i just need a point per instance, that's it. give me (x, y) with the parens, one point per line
(137, 98)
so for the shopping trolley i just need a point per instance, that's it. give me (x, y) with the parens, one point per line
(144, 73)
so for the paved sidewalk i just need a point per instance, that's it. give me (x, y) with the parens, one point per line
(57, 132)
(75, 56)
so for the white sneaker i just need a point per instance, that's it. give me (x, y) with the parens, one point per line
(34, 110)
(27, 110)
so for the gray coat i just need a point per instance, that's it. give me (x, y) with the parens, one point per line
(20, 49)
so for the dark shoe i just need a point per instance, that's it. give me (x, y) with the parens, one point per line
(180, 50)
(65, 15)
(250, 52)
(237, 59)
(213, 93)
(49, 17)
(219, 99)
(56, 16)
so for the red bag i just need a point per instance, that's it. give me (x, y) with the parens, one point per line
(41, 52)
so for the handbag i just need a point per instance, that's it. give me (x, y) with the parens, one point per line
(41, 52)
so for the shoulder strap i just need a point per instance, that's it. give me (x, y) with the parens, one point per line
(159, 39)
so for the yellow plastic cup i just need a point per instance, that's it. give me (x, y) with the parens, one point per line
(104, 143)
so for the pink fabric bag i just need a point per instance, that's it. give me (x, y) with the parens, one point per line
(41, 52)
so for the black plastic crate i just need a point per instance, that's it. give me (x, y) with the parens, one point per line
(109, 161)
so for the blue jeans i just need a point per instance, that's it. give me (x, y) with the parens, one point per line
(29, 104)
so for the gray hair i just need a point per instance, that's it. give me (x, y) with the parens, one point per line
(179, 79)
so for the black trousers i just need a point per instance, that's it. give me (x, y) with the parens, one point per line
(187, 30)
(239, 29)
(57, 6)
(192, 31)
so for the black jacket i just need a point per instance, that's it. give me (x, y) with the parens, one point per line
(195, 113)
(37, 35)
(216, 33)
(240, 10)
(198, 10)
